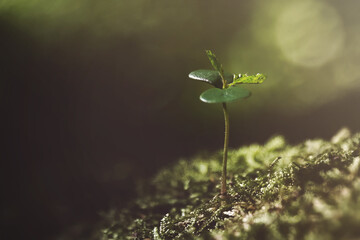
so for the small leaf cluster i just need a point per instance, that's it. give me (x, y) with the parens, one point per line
(224, 83)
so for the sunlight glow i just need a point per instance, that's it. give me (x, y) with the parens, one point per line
(309, 33)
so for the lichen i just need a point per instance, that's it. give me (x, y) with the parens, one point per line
(275, 191)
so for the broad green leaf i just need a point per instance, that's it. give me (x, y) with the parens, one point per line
(216, 95)
(252, 79)
(210, 76)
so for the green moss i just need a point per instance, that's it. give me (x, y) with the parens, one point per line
(276, 191)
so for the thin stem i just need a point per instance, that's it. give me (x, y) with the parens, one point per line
(226, 144)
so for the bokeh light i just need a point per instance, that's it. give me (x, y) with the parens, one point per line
(309, 50)
(309, 33)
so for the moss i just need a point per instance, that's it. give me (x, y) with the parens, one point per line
(276, 191)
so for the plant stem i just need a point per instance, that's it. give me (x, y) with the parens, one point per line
(226, 144)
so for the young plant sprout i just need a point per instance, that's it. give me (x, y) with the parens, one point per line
(224, 91)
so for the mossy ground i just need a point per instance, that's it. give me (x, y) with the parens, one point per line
(275, 191)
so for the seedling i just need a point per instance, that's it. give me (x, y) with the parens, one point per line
(225, 91)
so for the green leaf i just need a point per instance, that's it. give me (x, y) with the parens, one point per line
(210, 76)
(216, 95)
(214, 62)
(252, 79)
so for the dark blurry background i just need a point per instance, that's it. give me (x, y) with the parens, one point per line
(95, 94)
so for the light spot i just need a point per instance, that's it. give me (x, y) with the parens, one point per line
(309, 33)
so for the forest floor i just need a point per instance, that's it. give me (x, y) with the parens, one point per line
(275, 191)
